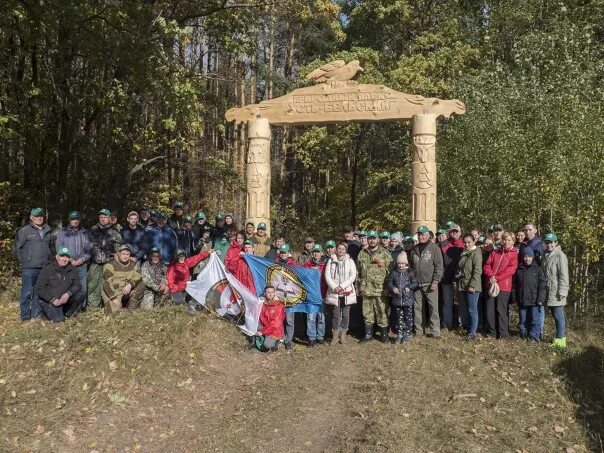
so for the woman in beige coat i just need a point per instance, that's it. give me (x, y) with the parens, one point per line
(340, 274)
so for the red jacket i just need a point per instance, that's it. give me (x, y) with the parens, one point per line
(271, 318)
(502, 264)
(237, 266)
(178, 273)
(320, 267)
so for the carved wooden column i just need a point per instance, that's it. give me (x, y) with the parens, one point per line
(423, 172)
(258, 172)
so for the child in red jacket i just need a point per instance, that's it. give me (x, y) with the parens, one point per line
(179, 274)
(270, 329)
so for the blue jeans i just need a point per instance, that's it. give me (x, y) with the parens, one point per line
(83, 276)
(315, 326)
(28, 282)
(530, 321)
(290, 319)
(558, 314)
(470, 300)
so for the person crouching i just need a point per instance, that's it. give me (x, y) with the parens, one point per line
(122, 282)
(179, 274)
(271, 319)
(402, 283)
(58, 287)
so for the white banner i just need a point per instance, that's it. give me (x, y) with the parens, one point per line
(218, 289)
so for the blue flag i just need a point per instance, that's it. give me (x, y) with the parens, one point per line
(298, 287)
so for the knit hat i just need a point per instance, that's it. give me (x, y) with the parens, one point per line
(402, 258)
(398, 237)
(527, 251)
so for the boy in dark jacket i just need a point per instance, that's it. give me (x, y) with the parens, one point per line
(401, 284)
(530, 288)
(58, 286)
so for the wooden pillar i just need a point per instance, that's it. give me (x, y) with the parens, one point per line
(423, 172)
(258, 172)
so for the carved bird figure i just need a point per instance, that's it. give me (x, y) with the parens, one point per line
(336, 70)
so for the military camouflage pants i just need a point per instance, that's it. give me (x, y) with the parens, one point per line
(153, 299)
(374, 311)
(95, 285)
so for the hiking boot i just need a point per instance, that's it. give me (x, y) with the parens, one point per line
(342, 336)
(384, 334)
(559, 342)
(288, 346)
(368, 335)
(190, 309)
(312, 343)
(399, 339)
(320, 342)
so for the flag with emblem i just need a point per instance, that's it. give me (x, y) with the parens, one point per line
(217, 289)
(298, 287)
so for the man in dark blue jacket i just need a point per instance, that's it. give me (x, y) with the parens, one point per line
(163, 237)
(32, 248)
(134, 235)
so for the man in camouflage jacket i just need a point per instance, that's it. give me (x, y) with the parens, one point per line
(153, 270)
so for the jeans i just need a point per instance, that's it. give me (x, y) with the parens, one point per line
(290, 319)
(448, 299)
(28, 282)
(83, 277)
(315, 326)
(530, 321)
(558, 314)
(469, 301)
(58, 314)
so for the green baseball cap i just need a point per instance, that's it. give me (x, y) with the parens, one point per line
(330, 243)
(153, 251)
(449, 223)
(105, 211)
(161, 215)
(550, 237)
(498, 227)
(73, 215)
(179, 204)
(372, 234)
(423, 229)
(408, 239)
(261, 226)
(385, 235)
(249, 242)
(317, 248)
(362, 233)
(37, 212)
(284, 248)
(219, 218)
(200, 216)
(64, 251)
(441, 231)
(188, 219)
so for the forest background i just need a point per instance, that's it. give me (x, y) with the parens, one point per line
(121, 105)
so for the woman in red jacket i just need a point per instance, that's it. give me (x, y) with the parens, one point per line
(500, 268)
(178, 274)
(271, 320)
(236, 264)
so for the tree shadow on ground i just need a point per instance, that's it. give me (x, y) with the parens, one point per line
(584, 374)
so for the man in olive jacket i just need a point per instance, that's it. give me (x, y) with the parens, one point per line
(375, 264)
(427, 263)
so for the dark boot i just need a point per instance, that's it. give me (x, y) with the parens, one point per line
(384, 334)
(368, 334)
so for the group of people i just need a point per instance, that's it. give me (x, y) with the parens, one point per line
(404, 285)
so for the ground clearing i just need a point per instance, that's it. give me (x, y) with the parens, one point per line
(167, 381)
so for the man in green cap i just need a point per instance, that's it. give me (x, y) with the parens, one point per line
(79, 241)
(315, 322)
(219, 228)
(385, 240)
(59, 288)
(330, 248)
(262, 241)
(105, 241)
(309, 244)
(122, 283)
(441, 235)
(375, 265)
(427, 263)
(202, 226)
(32, 249)
(176, 219)
(153, 272)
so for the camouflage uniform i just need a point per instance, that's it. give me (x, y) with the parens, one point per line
(153, 275)
(116, 275)
(105, 241)
(374, 269)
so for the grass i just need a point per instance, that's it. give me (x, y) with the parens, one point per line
(164, 380)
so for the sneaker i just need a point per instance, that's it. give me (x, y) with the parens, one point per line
(398, 340)
(288, 346)
(471, 338)
(559, 342)
(190, 309)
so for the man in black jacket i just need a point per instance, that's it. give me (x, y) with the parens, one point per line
(58, 286)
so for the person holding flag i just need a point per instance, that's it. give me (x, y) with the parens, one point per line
(315, 322)
(236, 264)
(270, 329)
(178, 275)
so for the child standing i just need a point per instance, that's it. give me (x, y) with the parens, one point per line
(402, 283)
(530, 286)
